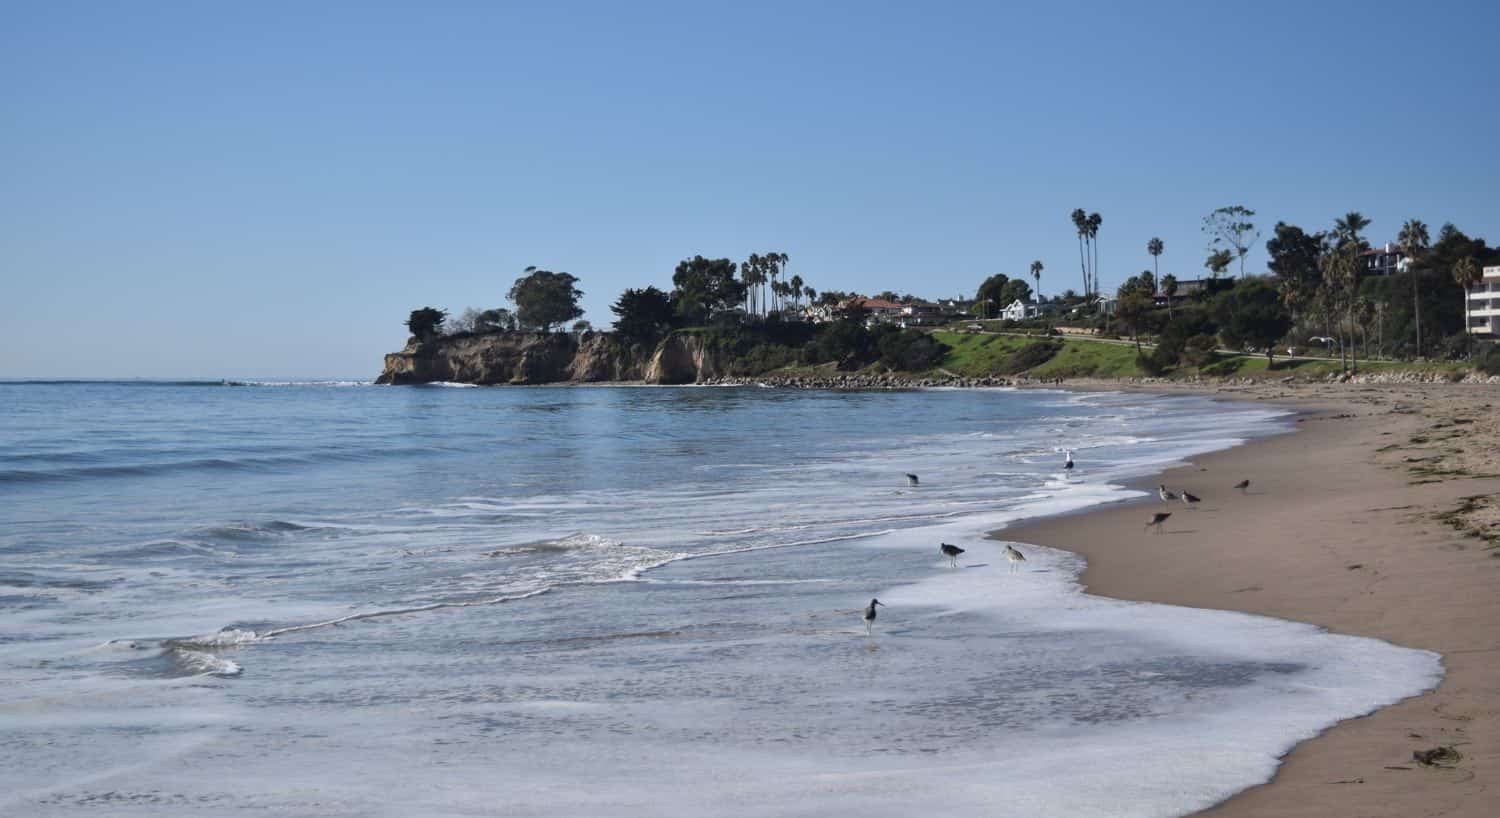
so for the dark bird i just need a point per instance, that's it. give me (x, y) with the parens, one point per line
(869, 615)
(1068, 460)
(1189, 499)
(911, 480)
(1157, 519)
(1161, 491)
(1015, 557)
(951, 552)
(1242, 485)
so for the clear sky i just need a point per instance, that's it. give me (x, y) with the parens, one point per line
(267, 189)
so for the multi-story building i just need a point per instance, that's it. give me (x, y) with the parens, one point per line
(1484, 304)
(1383, 261)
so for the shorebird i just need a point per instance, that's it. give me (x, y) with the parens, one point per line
(951, 552)
(1242, 485)
(1068, 460)
(869, 615)
(911, 480)
(1190, 499)
(1161, 491)
(1015, 557)
(1157, 519)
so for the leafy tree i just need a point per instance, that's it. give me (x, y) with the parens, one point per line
(424, 323)
(1414, 241)
(496, 320)
(1231, 231)
(580, 327)
(1015, 290)
(1340, 271)
(991, 294)
(1218, 262)
(642, 315)
(544, 298)
(1169, 289)
(1036, 273)
(704, 287)
(1294, 257)
(1134, 304)
(1200, 351)
(462, 323)
(1252, 315)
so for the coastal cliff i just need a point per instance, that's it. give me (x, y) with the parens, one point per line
(523, 358)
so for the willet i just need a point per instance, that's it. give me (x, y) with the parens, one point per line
(1242, 485)
(1189, 499)
(1068, 460)
(1157, 519)
(951, 552)
(1015, 557)
(1161, 491)
(869, 615)
(911, 480)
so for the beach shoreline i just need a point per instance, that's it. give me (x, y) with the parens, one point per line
(1349, 524)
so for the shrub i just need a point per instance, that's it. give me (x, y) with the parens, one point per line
(911, 350)
(1489, 363)
(1030, 356)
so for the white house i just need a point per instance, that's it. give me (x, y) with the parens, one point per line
(1019, 310)
(1107, 304)
(1484, 304)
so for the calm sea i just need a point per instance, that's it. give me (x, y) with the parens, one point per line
(331, 599)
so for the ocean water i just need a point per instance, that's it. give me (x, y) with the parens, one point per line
(332, 599)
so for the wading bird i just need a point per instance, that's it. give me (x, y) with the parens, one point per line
(1161, 491)
(1015, 557)
(1157, 519)
(1190, 499)
(951, 552)
(869, 615)
(1068, 460)
(1242, 485)
(911, 480)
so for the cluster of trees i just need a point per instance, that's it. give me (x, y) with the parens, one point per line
(1318, 292)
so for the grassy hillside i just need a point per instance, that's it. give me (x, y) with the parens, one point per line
(981, 355)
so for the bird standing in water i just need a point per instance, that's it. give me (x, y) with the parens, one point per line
(1015, 557)
(951, 552)
(1067, 459)
(911, 480)
(869, 615)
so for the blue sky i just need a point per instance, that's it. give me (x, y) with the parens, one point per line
(217, 190)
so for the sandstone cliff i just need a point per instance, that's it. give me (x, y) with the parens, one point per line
(535, 358)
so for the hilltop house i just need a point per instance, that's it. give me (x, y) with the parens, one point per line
(921, 314)
(1019, 310)
(1383, 261)
(1187, 288)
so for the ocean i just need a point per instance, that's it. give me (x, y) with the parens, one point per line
(330, 599)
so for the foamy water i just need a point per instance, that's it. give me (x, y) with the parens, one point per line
(325, 601)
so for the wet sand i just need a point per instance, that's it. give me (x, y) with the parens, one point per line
(1357, 522)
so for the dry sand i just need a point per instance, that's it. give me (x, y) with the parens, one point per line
(1357, 522)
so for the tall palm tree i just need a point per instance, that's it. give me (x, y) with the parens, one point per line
(1154, 247)
(750, 277)
(1094, 221)
(1169, 289)
(796, 291)
(1349, 228)
(1036, 273)
(1414, 242)
(1081, 224)
(1466, 274)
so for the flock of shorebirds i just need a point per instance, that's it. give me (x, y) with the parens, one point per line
(1016, 557)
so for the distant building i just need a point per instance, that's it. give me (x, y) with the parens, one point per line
(922, 314)
(1484, 304)
(1383, 261)
(1019, 310)
(1188, 287)
(1107, 304)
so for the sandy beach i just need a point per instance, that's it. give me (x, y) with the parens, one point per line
(1363, 521)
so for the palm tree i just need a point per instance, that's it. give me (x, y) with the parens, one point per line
(1094, 221)
(796, 291)
(1081, 224)
(1036, 273)
(749, 276)
(1414, 241)
(1154, 247)
(1169, 288)
(1466, 274)
(1349, 228)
